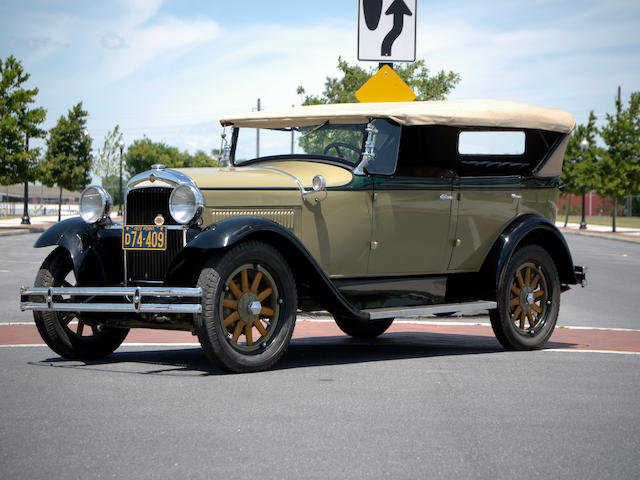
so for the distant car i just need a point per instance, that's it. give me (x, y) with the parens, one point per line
(370, 211)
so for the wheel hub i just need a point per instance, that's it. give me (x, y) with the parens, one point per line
(527, 299)
(248, 307)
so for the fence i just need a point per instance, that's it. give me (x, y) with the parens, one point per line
(10, 209)
(597, 205)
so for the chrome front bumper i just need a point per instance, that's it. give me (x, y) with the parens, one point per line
(581, 274)
(127, 299)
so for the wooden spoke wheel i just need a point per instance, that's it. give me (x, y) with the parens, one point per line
(65, 333)
(528, 300)
(249, 306)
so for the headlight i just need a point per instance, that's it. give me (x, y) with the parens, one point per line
(185, 204)
(95, 204)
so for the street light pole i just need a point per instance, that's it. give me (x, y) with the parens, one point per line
(121, 145)
(25, 209)
(584, 146)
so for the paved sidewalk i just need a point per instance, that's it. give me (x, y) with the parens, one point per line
(602, 231)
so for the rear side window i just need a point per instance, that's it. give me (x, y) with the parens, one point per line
(491, 142)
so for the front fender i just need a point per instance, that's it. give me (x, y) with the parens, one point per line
(94, 250)
(530, 229)
(217, 238)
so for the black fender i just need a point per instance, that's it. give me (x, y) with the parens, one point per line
(525, 230)
(214, 240)
(95, 251)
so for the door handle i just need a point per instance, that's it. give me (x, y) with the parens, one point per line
(446, 196)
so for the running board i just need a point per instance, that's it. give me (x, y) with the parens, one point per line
(394, 312)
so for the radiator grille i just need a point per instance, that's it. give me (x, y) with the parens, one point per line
(142, 207)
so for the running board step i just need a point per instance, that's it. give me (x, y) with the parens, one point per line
(392, 312)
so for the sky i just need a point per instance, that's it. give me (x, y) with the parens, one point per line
(169, 69)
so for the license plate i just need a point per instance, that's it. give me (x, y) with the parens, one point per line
(144, 237)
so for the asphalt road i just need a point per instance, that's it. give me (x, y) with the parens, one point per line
(396, 407)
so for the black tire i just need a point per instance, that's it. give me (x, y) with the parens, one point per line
(87, 342)
(528, 300)
(229, 288)
(357, 328)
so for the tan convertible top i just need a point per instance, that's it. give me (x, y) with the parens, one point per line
(460, 113)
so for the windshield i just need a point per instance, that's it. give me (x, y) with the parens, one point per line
(341, 143)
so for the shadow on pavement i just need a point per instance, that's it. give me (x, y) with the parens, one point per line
(302, 352)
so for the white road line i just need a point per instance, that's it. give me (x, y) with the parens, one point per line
(575, 350)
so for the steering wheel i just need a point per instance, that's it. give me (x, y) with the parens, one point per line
(337, 146)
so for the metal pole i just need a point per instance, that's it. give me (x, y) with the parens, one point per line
(583, 223)
(258, 136)
(120, 196)
(25, 208)
(292, 134)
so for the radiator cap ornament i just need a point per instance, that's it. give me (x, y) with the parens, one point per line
(159, 220)
(158, 166)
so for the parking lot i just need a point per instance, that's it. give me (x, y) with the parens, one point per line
(435, 398)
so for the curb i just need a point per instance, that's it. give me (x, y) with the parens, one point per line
(611, 236)
(19, 231)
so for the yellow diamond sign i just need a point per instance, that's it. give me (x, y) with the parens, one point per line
(385, 86)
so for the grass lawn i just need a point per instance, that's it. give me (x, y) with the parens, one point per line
(626, 222)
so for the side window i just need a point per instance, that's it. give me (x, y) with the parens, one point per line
(427, 152)
(387, 145)
(491, 142)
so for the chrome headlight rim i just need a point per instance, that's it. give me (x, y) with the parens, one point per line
(192, 215)
(96, 213)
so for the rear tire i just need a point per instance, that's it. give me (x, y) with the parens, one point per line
(83, 341)
(528, 300)
(357, 328)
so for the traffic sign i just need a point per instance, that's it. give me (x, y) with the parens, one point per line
(385, 86)
(387, 30)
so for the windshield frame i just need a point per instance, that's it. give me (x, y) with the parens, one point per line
(309, 157)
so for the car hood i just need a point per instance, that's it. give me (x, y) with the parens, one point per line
(268, 175)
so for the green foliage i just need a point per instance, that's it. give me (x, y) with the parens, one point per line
(416, 75)
(144, 153)
(333, 140)
(620, 167)
(68, 159)
(106, 162)
(17, 123)
(580, 168)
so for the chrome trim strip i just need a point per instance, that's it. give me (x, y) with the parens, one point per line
(380, 313)
(134, 296)
(304, 192)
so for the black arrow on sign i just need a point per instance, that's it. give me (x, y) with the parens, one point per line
(398, 9)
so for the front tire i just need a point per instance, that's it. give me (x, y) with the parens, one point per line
(81, 341)
(249, 305)
(357, 328)
(528, 300)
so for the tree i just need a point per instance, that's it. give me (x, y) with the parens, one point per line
(111, 183)
(68, 159)
(18, 123)
(578, 170)
(144, 153)
(107, 161)
(416, 75)
(619, 169)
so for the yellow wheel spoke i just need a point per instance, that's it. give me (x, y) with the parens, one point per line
(520, 280)
(538, 294)
(234, 289)
(514, 302)
(535, 281)
(527, 276)
(248, 329)
(244, 277)
(517, 313)
(264, 294)
(267, 312)
(80, 327)
(235, 316)
(260, 327)
(536, 308)
(237, 331)
(515, 290)
(531, 321)
(256, 282)
(522, 317)
(227, 302)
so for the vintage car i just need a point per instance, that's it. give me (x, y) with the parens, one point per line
(369, 211)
